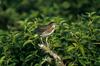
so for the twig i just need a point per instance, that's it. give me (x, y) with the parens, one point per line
(56, 57)
(97, 43)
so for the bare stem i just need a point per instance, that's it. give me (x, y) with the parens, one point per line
(42, 40)
(47, 42)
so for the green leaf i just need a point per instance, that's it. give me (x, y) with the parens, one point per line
(82, 50)
(71, 64)
(2, 59)
(82, 62)
(70, 48)
(27, 42)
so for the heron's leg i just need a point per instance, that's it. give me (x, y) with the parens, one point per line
(47, 42)
(42, 40)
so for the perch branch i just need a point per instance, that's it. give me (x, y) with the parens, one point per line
(56, 57)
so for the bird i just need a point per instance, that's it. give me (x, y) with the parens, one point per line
(45, 30)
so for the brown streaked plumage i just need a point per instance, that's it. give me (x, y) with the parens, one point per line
(45, 31)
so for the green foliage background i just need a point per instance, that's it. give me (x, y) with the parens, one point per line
(76, 39)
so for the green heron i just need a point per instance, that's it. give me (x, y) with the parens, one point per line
(45, 30)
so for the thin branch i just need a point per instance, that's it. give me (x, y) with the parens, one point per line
(56, 57)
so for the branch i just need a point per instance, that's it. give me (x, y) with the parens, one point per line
(56, 57)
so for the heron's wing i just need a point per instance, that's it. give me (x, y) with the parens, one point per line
(40, 29)
(43, 27)
(50, 30)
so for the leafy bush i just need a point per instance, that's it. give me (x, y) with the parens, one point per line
(13, 10)
(77, 43)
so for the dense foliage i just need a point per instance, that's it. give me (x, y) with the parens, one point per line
(76, 38)
(11, 11)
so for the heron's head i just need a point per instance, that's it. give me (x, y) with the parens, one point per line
(53, 24)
